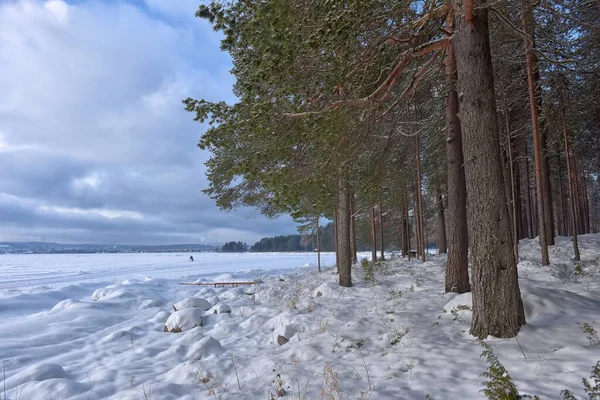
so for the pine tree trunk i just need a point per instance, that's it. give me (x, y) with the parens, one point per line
(457, 270)
(497, 305)
(531, 65)
(571, 175)
(442, 249)
(352, 229)
(318, 245)
(381, 228)
(343, 258)
(407, 230)
(527, 192)
(405, 234)
(512, 186)
(373, 234)
(547, 188)
(561, 195)
(420, 203)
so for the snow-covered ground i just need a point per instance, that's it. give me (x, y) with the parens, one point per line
(93, 327)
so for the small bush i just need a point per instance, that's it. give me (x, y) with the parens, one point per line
(591, 334)
(369, 271)
(499, 385)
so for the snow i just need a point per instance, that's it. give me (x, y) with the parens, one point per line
(101, 334)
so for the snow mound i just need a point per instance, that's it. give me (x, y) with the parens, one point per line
(58, 388)
(220, 308)
(206, 292)
(38, 373)
(459, 301)
(192, 302)
(548, 304)
(283, 333)
(184, 320)
(328, 289)
(204, 348)
(460, 308)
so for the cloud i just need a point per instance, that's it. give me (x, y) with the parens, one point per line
(94, 143)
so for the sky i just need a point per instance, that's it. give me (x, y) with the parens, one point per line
(95, 144)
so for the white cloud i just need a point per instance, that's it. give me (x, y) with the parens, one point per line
(93, 135)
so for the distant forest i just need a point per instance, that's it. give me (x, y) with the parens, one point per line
(306, 242)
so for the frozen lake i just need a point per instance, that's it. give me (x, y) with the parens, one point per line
(25, 273)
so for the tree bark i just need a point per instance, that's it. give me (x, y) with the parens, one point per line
(407, 230)
(381, 228)
(497, 305)
(405, 234)
(343, 258)
(457, 269)
(318, 245)
(531, 64)
(562, 231)
(373, 234)
(442, 248)
(526, 191)
(570, 172)
(352, 229)
(512, 186)
(420, 202)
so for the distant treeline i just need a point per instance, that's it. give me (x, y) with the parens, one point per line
(234, 247)
(292, 243)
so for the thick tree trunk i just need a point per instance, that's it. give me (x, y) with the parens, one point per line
(343, 258)
(373, 234)
(531, 64)
(381, 228)
(420, 202)
(442, 249)
(570, 172)
(457, 269)
(497, 305)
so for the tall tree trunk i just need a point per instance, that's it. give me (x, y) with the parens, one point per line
(381, 228)
(497, 305)
(457, 269)
(405, 233)
(335, 231)
(318, 245)
(373, 234)
(531, 65)
(528, 27)
(547, 188)
(407, 229)
(343, 258)
(571, 173)
(352, 228)
(561, 195)
(580, 198)
(527, 192)
(420, 202)
(442, 248)
(512, 186)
